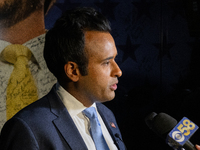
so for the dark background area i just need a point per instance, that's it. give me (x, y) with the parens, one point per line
(159, 55)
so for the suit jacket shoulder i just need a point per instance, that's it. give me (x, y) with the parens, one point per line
(45, 124)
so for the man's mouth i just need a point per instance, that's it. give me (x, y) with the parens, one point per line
(113, 87)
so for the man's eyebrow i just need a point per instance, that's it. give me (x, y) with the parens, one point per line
(110, 58)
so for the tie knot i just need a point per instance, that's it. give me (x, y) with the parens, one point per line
(13, 51)
(90, 112)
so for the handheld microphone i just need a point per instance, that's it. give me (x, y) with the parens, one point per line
(176, 135)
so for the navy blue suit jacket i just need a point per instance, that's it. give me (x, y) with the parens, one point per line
(46, 124)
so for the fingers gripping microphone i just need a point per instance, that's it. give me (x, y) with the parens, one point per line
(176, 135)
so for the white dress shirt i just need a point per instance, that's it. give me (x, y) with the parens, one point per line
(75, 109)
(44, 79)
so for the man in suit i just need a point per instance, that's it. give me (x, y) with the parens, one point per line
(80, 52)
(22, 22)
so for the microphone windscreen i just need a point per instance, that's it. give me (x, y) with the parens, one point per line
(161, 124)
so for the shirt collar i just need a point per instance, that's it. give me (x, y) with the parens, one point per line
(73, 106)
(36, 46)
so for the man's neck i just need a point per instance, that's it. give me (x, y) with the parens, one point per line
(71, 88)
(25, 30)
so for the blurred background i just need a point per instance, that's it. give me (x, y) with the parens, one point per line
(158, 44)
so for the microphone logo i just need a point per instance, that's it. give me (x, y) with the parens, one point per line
(178, 136)
(186, 127)
(183, 131)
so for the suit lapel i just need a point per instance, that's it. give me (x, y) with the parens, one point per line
(65, 124)
(111, 124)
(108, 121)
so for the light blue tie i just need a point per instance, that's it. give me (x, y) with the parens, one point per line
(95, 129)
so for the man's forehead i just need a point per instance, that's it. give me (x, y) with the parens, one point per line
(100, 44)
(97, 39)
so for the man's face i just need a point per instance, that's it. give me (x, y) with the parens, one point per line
(13, 11)
(103, 72)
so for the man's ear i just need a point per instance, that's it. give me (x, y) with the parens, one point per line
(72, 71)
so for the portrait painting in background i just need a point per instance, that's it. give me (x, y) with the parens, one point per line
(24, 76)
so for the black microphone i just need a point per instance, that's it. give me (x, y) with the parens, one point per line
(176, 135)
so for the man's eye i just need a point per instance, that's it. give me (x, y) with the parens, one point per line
(106, 63)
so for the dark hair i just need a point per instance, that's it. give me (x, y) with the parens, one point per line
(65, 41)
